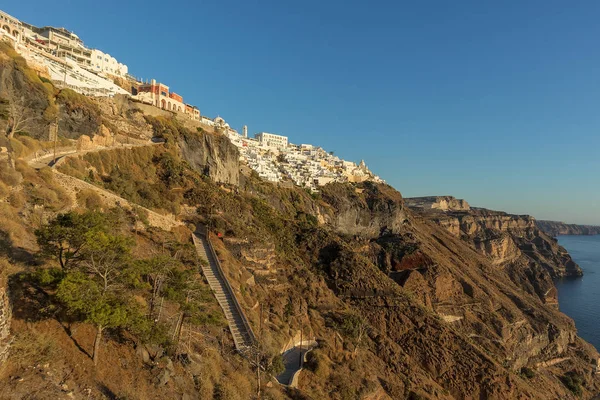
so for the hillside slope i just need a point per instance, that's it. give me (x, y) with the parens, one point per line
(403, 303)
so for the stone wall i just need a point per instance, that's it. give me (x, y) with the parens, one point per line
(5, 319)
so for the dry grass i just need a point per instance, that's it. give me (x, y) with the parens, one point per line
(29, 348)
(23, 146)
(8, 175)
(10, 224)
(42, 189)
(4, 190)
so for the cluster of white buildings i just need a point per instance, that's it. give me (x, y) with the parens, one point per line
(61, 43)
(63, 55)
(69, 63)
(305, 165)
(91, 71)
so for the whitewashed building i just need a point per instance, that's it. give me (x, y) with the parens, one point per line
(272, 140)
(105, 63)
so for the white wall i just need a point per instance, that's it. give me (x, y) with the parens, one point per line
(104, 62)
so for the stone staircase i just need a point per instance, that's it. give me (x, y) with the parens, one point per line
(238, 324)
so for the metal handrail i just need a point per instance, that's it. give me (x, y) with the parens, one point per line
(228, 286)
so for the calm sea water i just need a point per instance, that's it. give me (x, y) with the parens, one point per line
(579, 298)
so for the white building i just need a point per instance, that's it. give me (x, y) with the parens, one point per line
(272, 140)
(104, 62)
(11, 27)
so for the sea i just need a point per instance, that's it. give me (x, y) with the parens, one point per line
(579, 298)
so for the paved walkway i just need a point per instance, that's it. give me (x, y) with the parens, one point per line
(46, 158)
(238, 325)
(293, 360)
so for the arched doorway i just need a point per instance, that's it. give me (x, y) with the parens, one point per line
(163, 104)
(6, 28)
(179, 108)
(16, 34)
(169, 106)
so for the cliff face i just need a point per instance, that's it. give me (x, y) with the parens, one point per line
(506, 237)
(40, 103)
(367, 211)
(211, 154)
(21, 87)
(555, 228)
(438, 203)
(432, 298)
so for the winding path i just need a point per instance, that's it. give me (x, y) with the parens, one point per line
(73, 185)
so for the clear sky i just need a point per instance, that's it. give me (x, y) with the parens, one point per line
(493, 102)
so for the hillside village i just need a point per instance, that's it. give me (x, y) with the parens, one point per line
(61, 56)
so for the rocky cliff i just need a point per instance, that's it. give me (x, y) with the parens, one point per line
(37, 103)
(514, 242)
(211, 154)
(438, 203)
(438, 308)
(555, 228)
(367, 211)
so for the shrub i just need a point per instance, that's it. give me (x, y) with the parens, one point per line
(89, 199)
(233, 386)
(277, 365)
(318, 363)
(48, 276)
(573, 382)
(77, 102)
(17, 200)
(527, 372)
(8, 175)
(9, 223)
(4, 190)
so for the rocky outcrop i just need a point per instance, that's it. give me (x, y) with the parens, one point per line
(506, 237)
(486, 274)
(20, 86)
(555, 228)
(367, 209)
(125, 117)
(443, 203)
(211, 154)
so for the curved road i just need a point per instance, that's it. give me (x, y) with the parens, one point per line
(48, 156)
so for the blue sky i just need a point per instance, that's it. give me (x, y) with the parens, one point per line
(494, 102)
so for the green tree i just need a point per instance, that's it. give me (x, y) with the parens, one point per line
(153, 273)
(83, 294)
(67, 235)
(93, 288)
